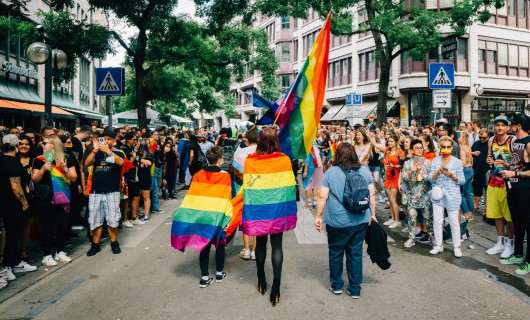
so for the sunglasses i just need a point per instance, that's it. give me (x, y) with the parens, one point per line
(45, 143)
(483, 138)
(446, 147)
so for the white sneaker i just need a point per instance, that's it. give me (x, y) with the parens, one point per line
(457, 252)
(49, 261)
(138, 221)
(388, 222)
(127, 224)
(437, 249)
(508, 249)
(23, 266)
(498, 248)
(395, 224)
(405, 230)
(409, 243)
(252, 254)
(63, 257)
(244, 254)
(10, 276)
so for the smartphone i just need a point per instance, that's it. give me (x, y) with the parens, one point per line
(101, 140)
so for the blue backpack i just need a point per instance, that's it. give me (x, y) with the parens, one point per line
(356, 198)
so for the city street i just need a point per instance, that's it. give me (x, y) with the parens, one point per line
(150, 280)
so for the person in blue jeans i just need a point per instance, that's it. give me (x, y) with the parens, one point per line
(156, 179)
(466, 157)
(345, 230)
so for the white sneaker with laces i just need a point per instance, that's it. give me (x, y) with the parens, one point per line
(457, 252)
(244, 254)
(388, 222)
(395, 224)
(409, 243)
(252, 254)
(23, 266)
(49, 261)
(437, 249)
(127, 224)
(63, 257)
(10, 276)
(498, 248)
(508, 249)
(138, 221)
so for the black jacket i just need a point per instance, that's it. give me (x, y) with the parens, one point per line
(377, 246)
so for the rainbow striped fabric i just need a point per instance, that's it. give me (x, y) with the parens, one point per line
(205, 211)
(299, 112)
(269, 200)
(60, 187)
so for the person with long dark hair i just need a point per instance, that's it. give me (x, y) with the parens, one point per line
(345, 231)
(269, 205)
(26, 154)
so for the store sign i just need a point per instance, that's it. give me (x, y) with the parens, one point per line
(8, 67)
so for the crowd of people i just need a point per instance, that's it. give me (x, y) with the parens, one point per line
(434, 177)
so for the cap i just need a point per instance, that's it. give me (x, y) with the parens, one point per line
(108, 132)
(519, 118)
(11, 140)
(502, 119)
(129, 135)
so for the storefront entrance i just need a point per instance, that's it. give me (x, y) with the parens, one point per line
(485, 109)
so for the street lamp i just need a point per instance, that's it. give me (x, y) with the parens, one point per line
(41, 53)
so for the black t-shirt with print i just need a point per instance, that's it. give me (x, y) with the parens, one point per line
(106, 176)
(10, 167)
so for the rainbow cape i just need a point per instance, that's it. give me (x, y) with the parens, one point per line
(298, 115)
(269, 199)
(60, 187)
(205, 211)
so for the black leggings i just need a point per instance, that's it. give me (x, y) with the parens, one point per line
(204, 259)
(50, 216)
(276, 255)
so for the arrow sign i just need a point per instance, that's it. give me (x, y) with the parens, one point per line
(441, 99)
(443, 103)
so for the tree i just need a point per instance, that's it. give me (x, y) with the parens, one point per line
(397, 29)
(206, 56)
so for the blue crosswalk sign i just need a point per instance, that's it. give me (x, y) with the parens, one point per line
(110, 81)
(441, 76)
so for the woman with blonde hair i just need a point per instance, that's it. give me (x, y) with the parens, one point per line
(466, 157)
(51, 175)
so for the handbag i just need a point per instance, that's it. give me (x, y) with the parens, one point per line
(42, 191)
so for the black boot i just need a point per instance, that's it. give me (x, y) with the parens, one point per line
(262, 284)
(115, 247)
(275, 292)
(94, 248)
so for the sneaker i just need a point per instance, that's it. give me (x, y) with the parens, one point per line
(220, 277)
(420, 235)
(436, 250)
(127, 224)
(78, 228)
(381, 198)
(337, 292)
(252, 254)
(388, 222)
(498, 248)
(353, 296)
(244, 254)
(395, 224)
(49, 261)
(512, 260)
(10, 276)
(146, 219)
(94, 248)
(508, 249)
(23, 266)
(523, 269)
(405, 230)
(63, 257)
(157, 211)
(115, 247)
(138, 221)
(425, 239)
(409, 243)
(481, 202)
(204, 283)
(457, 252)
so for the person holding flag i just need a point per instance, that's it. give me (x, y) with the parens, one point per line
(312, 175)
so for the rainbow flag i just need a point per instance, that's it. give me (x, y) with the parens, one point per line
(333, 150)
(60, 187)
(299, 112)
(269, 199)
(205, 211)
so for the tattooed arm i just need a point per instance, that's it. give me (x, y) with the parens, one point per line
(19, 192)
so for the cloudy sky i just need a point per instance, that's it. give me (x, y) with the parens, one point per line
(184, 6)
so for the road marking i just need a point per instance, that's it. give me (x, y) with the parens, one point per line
(53, 300)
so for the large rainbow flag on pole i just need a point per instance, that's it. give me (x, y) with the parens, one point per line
(205, 211)
(299, 112)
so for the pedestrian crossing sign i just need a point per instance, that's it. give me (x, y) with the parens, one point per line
(110, 81)
(441, 76)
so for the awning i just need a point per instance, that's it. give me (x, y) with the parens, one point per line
(342, 114)
(37, 109)
(332, 111)
(85, 113)
(370, 108)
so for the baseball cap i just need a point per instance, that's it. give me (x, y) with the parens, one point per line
(129, 135)
(109, 133)
(11, 140)
(519, 118)
(502, 119)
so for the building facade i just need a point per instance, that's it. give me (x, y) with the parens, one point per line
(22, 82)
(491, 65)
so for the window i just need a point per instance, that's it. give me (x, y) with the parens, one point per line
(295, 50)
(462, 48)
(522, 8)
(523, 57)
(370, 60)
(513, 55)
(271, 32)
(286, 51)
(286, 80)
(511, 7)
(286, 23)
(503, 54)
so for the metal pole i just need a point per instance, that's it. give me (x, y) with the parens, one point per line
(440, 60)
(48, 89)
(108, 102)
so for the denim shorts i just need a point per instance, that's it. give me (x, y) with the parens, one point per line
(373, 168)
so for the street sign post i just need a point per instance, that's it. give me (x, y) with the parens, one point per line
(354, 107)
(441, 76)
(441, 99)
(110, 82)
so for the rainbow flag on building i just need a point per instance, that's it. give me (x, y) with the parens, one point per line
(205, 211)
(269, 201)
(60, 187)
(299, 112)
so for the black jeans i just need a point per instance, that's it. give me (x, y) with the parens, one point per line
(518, 204)
(204, 259)
(50, 216)
(276, 255)
(14, 219)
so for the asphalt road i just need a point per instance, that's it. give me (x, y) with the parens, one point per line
(150, 280)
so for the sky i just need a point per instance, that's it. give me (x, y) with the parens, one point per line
(184, 6)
